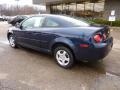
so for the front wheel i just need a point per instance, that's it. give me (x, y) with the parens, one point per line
(12, 41)
(64, 57)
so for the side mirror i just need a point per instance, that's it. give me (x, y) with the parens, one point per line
(18, 25)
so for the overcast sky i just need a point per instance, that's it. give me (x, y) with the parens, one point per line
(28, 2)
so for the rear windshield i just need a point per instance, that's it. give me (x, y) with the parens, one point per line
(73, 22)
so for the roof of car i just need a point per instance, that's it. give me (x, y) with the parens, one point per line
(49, 15)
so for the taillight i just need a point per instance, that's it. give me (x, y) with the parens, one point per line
(97, 38)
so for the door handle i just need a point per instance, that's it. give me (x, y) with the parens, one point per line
(35, 33)
(28, 32)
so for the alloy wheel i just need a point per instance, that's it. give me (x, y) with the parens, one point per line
(62, 57)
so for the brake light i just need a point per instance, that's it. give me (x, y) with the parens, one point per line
(97, 38)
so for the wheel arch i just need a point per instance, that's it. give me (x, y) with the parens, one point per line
(10, 33)
(62, 42)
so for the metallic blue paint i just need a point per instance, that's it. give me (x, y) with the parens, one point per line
(43, 39)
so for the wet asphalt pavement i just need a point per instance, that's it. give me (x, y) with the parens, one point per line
(24, 69)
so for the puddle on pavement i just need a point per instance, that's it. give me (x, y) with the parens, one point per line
(4, 42)
(100, 68)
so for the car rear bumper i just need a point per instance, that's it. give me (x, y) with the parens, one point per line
(97, 52)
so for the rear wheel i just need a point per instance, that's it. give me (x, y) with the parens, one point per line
(64, 57)
(12, 41)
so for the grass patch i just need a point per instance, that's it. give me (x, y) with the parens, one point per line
(105, 22)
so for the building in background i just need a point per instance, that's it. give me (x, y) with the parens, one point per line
(82, 8)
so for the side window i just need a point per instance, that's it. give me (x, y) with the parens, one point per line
(51, 23)
(33, 22)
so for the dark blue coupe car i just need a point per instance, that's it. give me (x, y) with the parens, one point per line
(66, 38)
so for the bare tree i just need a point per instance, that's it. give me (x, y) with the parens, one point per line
(18, 10)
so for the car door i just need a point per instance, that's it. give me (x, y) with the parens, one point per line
(29, 32)
(47, 32)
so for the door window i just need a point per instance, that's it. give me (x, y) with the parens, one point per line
(51, 23)
(33, 22)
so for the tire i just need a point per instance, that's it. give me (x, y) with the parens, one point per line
(64, 57)
(12, 41)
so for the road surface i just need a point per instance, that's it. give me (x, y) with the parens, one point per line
(24, 69)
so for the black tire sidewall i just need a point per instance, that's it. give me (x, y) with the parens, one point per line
(71, 63)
